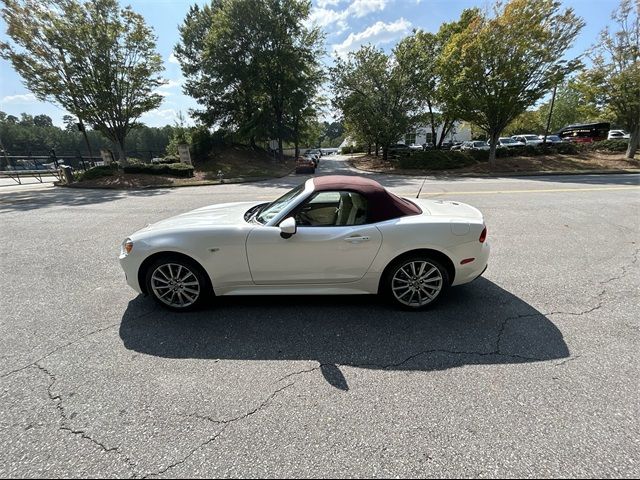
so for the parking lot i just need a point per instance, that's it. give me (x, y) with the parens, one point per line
(530, 371)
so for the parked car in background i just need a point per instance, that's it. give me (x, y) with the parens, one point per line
(617, 134)
(527, 139)
(508, 142)
(413, 146)
(446, 145)
(305, 164)
(456, 146)
(475, 145)
(552, 139)
(399, 148)
(585, 132)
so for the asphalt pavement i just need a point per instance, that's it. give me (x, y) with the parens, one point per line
(530, 371)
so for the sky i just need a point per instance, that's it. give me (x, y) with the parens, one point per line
(348, 24)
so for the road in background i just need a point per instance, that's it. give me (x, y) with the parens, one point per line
(529, 371)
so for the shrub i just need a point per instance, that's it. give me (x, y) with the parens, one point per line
(439, 159)
(616, 146)
(98, 172)
(353, 149)
(172, 169)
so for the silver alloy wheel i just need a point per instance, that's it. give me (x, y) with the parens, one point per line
(175, 285)
(416, 283)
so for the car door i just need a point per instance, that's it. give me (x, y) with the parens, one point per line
(335, 246)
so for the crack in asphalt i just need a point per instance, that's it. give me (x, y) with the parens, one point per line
(566, 360)
(57, 399)
(57, 349)
(225, 423)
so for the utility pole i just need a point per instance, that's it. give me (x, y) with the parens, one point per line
(84, 133)
(553, 99)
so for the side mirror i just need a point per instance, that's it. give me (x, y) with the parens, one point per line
(288, 227)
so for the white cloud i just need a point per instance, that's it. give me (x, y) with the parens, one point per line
(173, 59)
(326, 17)
(360, 8)
(377, 34)
(20, 99)
(171, 84)
(328, 3)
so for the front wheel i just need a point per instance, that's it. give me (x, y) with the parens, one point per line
(416, 282)
(177, 283)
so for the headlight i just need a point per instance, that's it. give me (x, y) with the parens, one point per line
(127, 246)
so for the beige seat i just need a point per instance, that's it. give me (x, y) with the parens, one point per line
(358, 211)
(344, 209)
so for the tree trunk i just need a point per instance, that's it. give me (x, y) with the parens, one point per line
(385, 152)
(280, 150)
(84, 134)
(122, 154)
(494, 136)
(369, 149)
(634, 142)
(377, 149)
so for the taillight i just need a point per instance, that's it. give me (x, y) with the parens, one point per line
(483, 235)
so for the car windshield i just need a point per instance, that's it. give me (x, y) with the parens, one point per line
(507, 140)
(274, 208)
(531, 137)
(480, 144)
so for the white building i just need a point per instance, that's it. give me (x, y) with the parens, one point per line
(421, 135)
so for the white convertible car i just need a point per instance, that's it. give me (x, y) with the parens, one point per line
(331, 235)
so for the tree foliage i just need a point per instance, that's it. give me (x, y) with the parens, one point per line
(422, 53)
(613, 81)
(253, 66)
(376, 94)
(94, 59)
(501, 65)
(39, 138)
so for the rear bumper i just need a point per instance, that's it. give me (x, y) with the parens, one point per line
(470, 271)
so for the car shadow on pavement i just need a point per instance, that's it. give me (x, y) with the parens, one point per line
(475, 324)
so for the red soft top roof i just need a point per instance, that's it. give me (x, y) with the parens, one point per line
(382, 204)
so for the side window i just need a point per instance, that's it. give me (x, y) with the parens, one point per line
(330, 209)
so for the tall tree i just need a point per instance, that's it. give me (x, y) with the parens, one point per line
(422, 53)
(376, 94)
(501, 65)
(96, 60)
(246, 60)
(42, 121)
(613, 82)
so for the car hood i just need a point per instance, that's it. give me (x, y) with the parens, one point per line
(211, 216)
(448, 208)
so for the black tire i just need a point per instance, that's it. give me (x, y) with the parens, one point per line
(179, 291)
(422, 287)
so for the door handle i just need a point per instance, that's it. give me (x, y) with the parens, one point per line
(357, 239)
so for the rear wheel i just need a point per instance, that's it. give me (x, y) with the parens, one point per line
(416, 282)
(177, 283)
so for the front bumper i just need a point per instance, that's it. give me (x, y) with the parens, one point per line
(131, 266)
